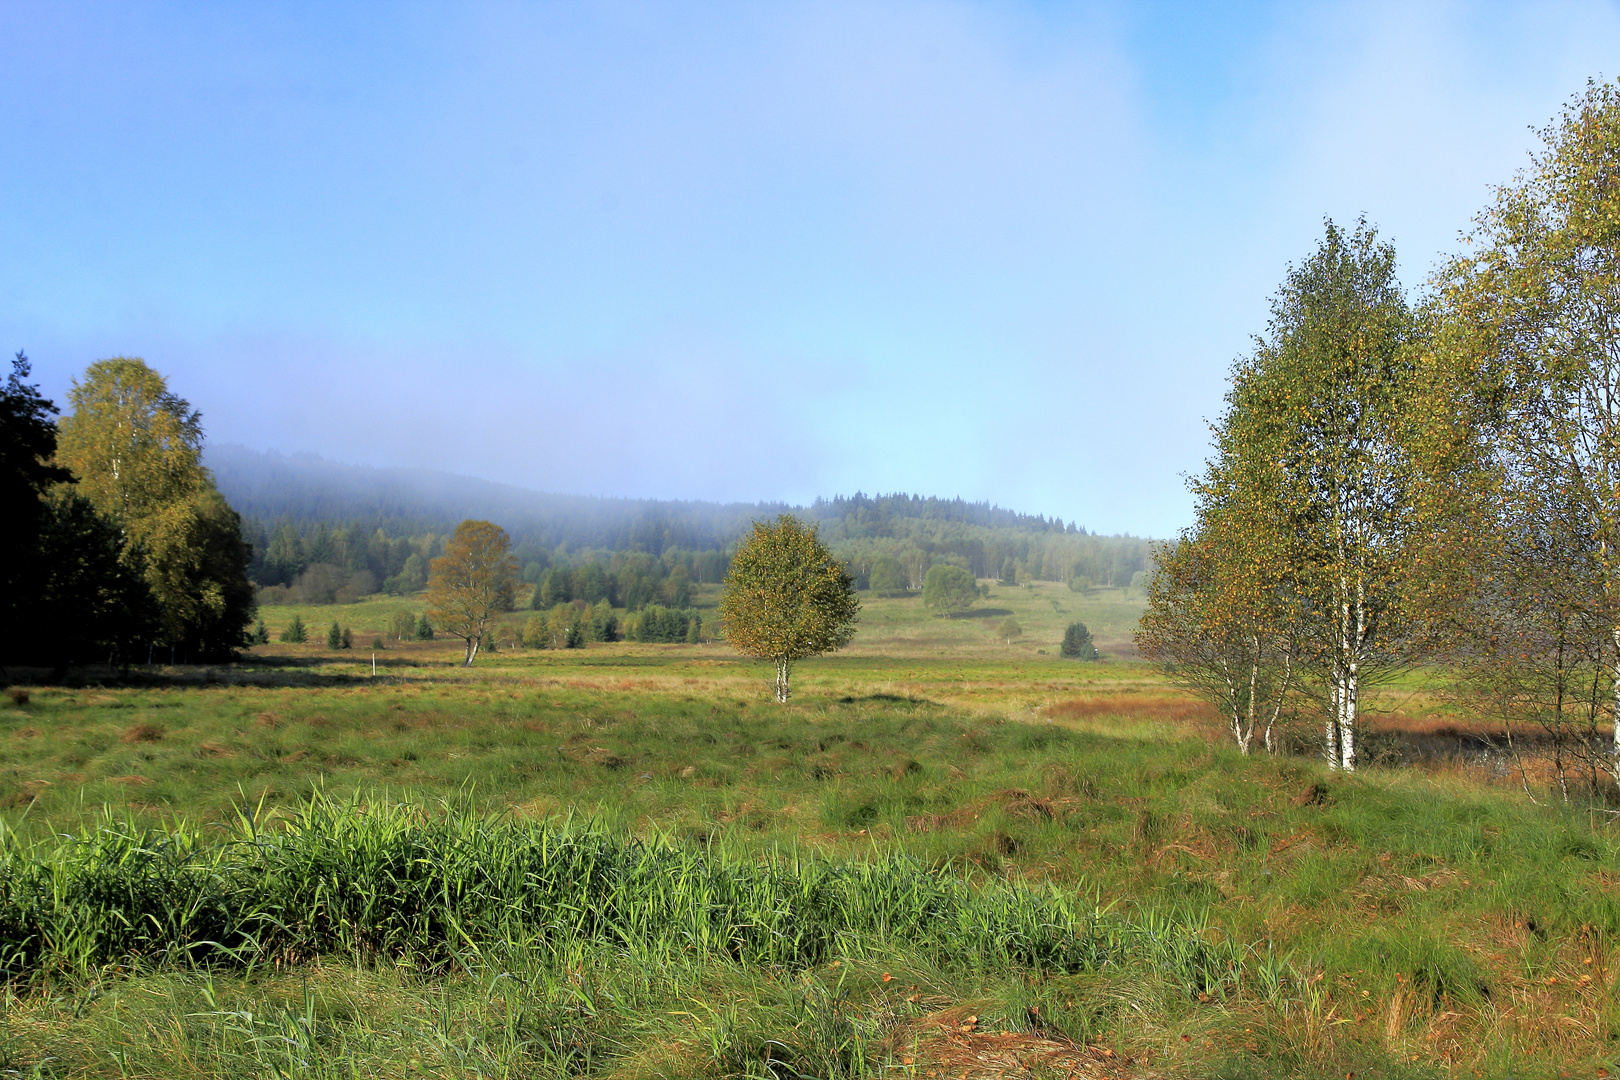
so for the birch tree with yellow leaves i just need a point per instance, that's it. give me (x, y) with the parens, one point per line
(1295, 573)
(1529, 344)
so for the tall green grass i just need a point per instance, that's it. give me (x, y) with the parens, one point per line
(395, 881)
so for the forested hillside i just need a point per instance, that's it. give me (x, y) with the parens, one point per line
(328, 531)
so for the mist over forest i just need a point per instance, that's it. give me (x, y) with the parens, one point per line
(324, 530)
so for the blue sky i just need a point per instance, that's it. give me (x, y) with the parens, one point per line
(760, 251)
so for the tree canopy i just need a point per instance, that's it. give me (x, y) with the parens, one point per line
(135, 450)
(949, 589)
(786, 598)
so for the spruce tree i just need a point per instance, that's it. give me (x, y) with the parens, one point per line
(348, 638)
(295, 634)
(334, 636)
(1077, 643)
(424, 629)
(261, 634)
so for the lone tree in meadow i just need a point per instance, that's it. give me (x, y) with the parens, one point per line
(1077, 644)
(949, 589)
(473, 580)
(786, 597)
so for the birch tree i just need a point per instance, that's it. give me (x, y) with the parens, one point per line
(471, 583)
(1224, 603)
(1319, 409)
(786, 598)
(1531, 325)
(135, 451)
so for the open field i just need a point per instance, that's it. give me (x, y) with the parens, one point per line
(945, 857)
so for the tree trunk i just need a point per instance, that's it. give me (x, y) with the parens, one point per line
(1614, 767)
(1331, 735)
(781, 680)
(1347, 722)
(472, 650)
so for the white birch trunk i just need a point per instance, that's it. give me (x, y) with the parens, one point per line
(1347, 724)
(1614, 760)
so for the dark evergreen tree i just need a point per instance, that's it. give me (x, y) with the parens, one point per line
(295, 633)
(1077, 643)
(261, 634)
(27, 445)
(347, 640)
(424, 629)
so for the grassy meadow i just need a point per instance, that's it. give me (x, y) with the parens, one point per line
(946, 856)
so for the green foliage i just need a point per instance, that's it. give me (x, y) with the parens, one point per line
(535, 634)
(1295, 574)
(949, 590)
(1077, 644)
(334, 636)
(1009, 629)
(473, 580)
(402, 626)
(887, 578)
(602, 622)
(786, 597)
(424, 628)
(295, 633)
(660, 624)
(1527, 475)
(261, 634)
(136, 452)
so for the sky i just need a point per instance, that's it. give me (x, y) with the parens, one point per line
(739, 252)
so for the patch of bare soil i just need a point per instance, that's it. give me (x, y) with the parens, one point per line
(950, 1043)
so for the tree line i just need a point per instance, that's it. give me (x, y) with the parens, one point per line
(118, 546)
(1434, 481)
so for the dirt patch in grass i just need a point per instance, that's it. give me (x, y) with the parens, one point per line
(142, 733)
(951, 1042)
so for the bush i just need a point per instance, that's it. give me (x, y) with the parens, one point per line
(295, 633)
